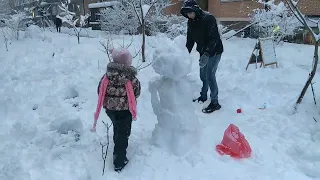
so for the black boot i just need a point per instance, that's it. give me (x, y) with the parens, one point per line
(119, 162)
(200, 99)
(211, 108)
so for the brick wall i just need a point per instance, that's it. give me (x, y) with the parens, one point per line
(174, 8)
(232, 11)
(310, 7)
(239, 11)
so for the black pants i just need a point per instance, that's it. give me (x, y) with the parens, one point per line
(58, 28)
(122, 121)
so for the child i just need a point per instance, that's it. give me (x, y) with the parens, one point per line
(118, 90)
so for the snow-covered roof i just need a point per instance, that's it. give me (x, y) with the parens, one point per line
(102, 4)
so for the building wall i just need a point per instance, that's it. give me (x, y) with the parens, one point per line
(240, 10)
(86, 3)
(174, 8)
(310, 7)
(232, 11)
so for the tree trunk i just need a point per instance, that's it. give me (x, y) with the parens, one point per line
(143, 46)
(78, 37)
(311, 75)
(143, 28)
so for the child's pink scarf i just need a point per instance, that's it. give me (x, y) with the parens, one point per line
(103, 93)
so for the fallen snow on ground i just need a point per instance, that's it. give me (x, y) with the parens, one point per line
(48, 96)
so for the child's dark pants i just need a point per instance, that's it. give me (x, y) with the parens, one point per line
(122, 121)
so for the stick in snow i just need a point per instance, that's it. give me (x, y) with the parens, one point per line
(314, 96)
(105, 151)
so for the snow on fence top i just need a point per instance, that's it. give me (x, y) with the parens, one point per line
(102, 4)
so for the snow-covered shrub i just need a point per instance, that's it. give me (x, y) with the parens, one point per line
(117, 19)
(276, 20)
(176, 25)
(7, 34)
(12, 25)
(17, 22)
(133, 16)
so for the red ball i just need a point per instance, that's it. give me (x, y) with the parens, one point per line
(239, 110)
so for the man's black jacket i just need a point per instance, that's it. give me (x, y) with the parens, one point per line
(203, 30)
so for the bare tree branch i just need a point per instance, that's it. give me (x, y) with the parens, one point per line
(291, 7)
(106, 48)
(69, 19)
(140, 67)
(130, 42)
(136, 12)
(104, 152)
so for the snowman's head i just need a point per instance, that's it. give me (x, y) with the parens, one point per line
(172, 60)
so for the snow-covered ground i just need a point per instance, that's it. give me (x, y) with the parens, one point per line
(48, 88)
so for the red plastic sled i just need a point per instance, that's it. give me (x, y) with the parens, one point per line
(234, 143)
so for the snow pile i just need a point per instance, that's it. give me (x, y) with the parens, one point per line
(34, 32)
(178, 128)
(64, 124)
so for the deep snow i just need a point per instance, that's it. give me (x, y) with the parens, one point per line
(48, 96)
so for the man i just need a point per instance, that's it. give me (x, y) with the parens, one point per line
(58, 24)
(203, 30)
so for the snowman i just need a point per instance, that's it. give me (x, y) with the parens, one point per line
(178, 128)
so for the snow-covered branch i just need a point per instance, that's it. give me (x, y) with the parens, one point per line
(7, 34)
(70, 18)
(16, 22)
(276, 20)
(118, 19)
(105, 147)
(293, 4)
(128, 15)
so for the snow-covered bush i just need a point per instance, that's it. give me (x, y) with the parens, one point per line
(35, 32)
(118, 19)
(12, 25)
(17, 22)
(175, 26)
(276, 20)
(133, 16)
(143, 13)
(7, 36)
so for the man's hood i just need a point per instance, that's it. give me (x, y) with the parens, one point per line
(190, 6)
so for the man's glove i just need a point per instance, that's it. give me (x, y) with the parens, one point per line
(204, 60)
